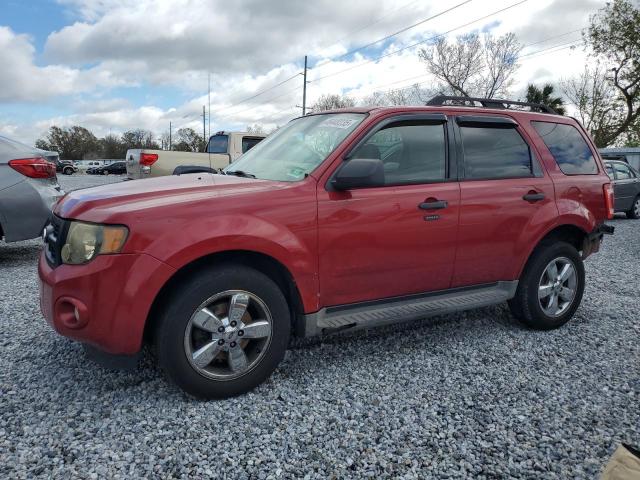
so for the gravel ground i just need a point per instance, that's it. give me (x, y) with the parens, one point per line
(471, 395)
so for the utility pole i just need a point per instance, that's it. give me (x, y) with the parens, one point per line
(169, 135)
(204, 125)
(304, 89)
(209, 85)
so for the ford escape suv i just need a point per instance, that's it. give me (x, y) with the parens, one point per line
(338, 221)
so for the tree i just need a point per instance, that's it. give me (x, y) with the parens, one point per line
(139, 138)
(544, 96)
(187, 140)
(614, 97)
(112, 146)
(412, 95)
(596, 102)
(474, 66)
(331, 102)
(72, 143)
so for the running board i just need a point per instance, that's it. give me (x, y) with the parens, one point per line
(402, 309)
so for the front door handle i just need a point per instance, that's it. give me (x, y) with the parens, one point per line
(433, 205)
(533, 197)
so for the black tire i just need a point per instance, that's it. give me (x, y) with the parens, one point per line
(105, 172)
(67, 171)
(634, 211)
(184, 302)
(526, 307)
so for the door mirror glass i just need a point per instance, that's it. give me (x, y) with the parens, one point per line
(359, 173)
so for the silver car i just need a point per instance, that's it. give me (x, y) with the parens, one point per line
(28, 190)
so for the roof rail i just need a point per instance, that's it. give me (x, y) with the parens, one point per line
(440, 100)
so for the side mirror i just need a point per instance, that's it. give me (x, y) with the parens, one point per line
(359, 173)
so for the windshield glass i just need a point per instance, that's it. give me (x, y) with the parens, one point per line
(218, 144)
(295, 150)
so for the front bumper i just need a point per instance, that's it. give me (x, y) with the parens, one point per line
(104, 303)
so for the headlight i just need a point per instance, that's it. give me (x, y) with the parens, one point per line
(87, 240)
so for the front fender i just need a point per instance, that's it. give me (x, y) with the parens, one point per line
(292, 245)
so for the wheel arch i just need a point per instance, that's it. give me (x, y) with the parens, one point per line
(568, 232)
(261, 262)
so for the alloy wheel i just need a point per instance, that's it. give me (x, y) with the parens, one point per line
(228, 335)
(557, 286)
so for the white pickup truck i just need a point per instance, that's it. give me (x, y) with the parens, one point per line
(222, 149)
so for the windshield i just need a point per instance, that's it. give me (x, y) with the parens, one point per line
(218, 144)
(295, 150)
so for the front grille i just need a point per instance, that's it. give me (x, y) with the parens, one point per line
(54, 237)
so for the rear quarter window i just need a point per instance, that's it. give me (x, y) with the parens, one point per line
(568, 147)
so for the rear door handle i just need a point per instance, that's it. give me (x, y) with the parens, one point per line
(436, 205)
(533, 197)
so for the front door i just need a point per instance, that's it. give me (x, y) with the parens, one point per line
(397, 239)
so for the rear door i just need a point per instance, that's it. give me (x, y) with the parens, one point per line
(505, 199)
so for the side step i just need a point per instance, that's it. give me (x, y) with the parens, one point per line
(402, 309)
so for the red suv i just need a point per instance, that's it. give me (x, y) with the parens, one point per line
(338, 221)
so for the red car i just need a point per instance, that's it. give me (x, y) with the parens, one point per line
(338, 221)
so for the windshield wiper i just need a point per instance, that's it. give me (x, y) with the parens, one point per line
(239, 173)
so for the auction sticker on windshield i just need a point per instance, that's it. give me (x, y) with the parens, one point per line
(336, 122)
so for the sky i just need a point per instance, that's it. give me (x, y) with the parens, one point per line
(115, 65)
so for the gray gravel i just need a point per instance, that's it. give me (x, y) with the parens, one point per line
(471, 395)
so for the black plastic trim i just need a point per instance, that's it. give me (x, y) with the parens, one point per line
(485, 121)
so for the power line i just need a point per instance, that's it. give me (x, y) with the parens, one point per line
(420, 42)
(387, 37)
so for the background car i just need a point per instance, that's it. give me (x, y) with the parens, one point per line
(118, 168)
(28, 189)
(626, 187)
(66, 167)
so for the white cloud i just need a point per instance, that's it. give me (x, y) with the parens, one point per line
(249, 46)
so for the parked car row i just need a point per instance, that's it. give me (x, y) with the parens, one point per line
(115, 168)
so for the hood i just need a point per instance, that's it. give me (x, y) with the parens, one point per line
(112, 201)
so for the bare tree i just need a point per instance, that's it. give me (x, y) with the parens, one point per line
(474, 66)
(256, 129)
(412, 95)
(595, 100)
(331, 102)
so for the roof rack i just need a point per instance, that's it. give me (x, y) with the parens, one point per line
(441, 100)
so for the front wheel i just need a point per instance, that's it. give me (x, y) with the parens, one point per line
(634, 212)
(67, 171)
(223, 332)
(550, 288)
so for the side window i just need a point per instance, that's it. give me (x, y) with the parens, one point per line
(412, 152)
(622, 171)
(609, 170)
(568, 147)
(248, 143)
(491, 152)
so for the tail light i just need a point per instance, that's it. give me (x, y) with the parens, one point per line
(36, 167)
(607, 189)
(148, 159)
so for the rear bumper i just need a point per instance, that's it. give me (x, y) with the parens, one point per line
(593, 240)
(26, 207)
(104, 303)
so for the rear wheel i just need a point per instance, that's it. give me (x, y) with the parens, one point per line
(634, 212)
(223, 332)
(67, 171)
(105, 172)
(550, 288)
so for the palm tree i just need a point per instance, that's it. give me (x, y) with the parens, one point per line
(544, 96)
